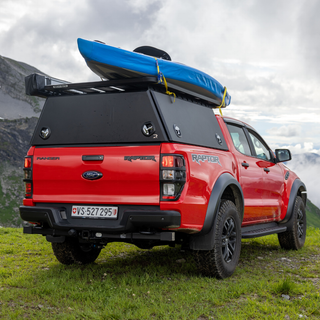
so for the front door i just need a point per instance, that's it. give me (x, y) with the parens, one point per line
(273, 179)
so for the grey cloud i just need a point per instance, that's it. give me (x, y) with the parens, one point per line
(307, 166)
(48, 39)
(308, 37)
(286, 131)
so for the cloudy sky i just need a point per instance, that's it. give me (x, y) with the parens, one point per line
(265, 52)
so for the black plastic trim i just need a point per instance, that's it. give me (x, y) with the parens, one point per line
(50, 218)
(286, 177)
(297, 184)
(225, 180)
(204, 239)
(54, 235)
(93, 158)
(260, 230)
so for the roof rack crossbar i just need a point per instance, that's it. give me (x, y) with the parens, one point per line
(43, 86)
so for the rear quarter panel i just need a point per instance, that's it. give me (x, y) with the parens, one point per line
(204, 166)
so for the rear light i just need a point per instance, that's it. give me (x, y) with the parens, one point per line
(27, 162)
(168, 174)
(172, 161)
(168, 189)
(172, 177)
(27, 170)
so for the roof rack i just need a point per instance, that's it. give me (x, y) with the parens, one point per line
(43, 86)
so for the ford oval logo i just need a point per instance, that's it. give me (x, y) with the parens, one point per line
(92, 175)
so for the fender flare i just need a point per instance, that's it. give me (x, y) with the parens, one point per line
(204, 240)
(297, 186)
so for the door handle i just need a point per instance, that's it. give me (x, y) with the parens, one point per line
(244, 164)
(92, 158)
(266, 169)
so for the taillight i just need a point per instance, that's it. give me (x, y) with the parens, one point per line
(27, 170)
(172, 176)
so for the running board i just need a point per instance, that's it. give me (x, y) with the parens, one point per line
(262, 230)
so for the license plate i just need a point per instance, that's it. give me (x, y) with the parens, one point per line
(94, 212)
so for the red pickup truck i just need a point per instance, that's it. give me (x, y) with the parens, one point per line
(121, 161)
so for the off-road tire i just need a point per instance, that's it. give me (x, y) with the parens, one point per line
(222, 260)
(62, 251)
(294, 238)
(71, 251)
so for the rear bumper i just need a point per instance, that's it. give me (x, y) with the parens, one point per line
(51, 221)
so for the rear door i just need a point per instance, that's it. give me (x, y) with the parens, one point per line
(126, 175)
(250, 179)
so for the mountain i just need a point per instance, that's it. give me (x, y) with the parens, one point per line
(313, 215)
(18, 117)
(14, 103)
(15, 137)
(307, 167)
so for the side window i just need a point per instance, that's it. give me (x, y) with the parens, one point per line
(239, 139)
(262, 151)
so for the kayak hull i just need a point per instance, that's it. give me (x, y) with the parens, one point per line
(114, 63)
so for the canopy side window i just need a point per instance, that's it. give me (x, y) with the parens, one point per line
(239, 139)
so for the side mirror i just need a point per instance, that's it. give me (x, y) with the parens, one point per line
(282, 155)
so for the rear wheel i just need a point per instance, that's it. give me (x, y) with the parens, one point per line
(294, 239)
(221, 261)
(71, 251)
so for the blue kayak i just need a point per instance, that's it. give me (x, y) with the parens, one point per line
(114, 63)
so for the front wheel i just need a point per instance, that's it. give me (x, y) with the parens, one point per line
(294, 238)
(71, 251)
(222, 260)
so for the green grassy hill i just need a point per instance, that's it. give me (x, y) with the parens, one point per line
(313, 215)
(162, 283)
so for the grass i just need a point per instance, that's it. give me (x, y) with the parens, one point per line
(129, 283)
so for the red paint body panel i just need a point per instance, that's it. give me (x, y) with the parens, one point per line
(200, 180)
(123, 181)
(137, 182)
(266, 194)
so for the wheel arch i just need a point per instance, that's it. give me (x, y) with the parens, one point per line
(228, 188)
(298, 189)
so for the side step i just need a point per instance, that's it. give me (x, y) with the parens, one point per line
(262, 230)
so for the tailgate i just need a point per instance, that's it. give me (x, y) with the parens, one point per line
(130, 175)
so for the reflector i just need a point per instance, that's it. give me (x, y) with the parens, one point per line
(28, 187)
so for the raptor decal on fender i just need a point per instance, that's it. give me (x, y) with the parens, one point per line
(203, 158)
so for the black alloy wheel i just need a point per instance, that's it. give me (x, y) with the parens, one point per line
(295, 236)
(229, 238)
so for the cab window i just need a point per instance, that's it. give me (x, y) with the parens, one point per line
(261, 150)
(239, 139)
